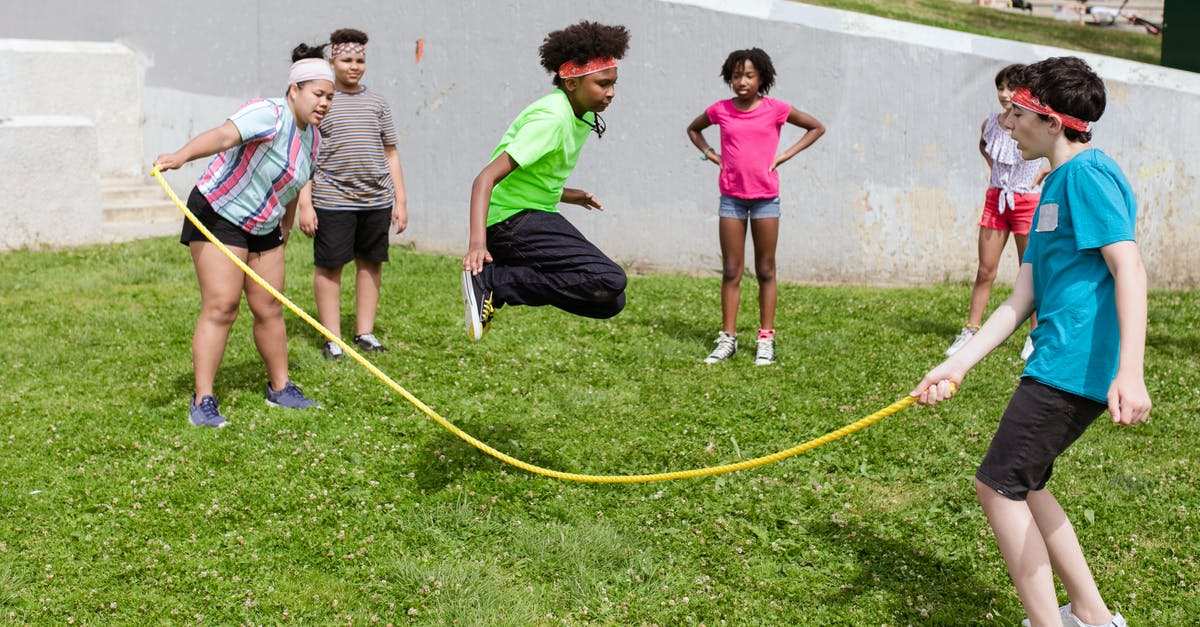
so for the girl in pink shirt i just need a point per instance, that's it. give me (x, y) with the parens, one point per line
(749, 185)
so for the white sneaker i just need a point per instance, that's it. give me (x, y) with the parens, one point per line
(1069, 619)
(765, 354)
(963, 337)
(1027, 350)
(726, 348)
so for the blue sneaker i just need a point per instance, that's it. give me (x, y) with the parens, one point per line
(290, 396)
(206, 413)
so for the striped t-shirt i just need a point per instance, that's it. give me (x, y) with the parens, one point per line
(352, 172)
(251, 184)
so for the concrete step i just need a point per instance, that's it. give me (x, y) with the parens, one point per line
(141, 211)
(121, 190)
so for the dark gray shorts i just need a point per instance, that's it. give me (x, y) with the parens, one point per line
(1039, 423)
(343, 236)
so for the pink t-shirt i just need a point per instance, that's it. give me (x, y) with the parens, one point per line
(749, 143)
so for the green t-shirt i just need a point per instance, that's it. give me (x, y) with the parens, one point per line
(545, 141)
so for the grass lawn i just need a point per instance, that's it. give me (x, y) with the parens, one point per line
(114, 510)
(970, 18)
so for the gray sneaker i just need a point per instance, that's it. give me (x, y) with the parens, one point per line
(332, 351)
(726, 348)
(206, 414)
(290, 397)
(370, 343)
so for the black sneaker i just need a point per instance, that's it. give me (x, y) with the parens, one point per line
(369, 343)
(332, 351)
(477, 305)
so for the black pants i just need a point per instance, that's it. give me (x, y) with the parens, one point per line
(541, 259)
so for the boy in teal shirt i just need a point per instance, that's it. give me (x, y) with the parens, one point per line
(522, 251)
(1083, 273)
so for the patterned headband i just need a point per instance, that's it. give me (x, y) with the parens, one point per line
(1025, 99)
(349, 47)
(571, 69)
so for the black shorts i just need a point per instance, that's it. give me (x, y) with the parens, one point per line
(225, 231)
(1039, 423)
(343, 236)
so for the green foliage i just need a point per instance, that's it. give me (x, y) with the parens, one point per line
(113, 509)
(979, 20)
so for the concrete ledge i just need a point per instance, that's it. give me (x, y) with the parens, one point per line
(50, 187)
(95, 80)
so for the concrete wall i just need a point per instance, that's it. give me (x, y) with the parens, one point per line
(51, 194)
(94, 80)
(890, 195)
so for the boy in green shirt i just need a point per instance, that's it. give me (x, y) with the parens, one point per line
(522, 251)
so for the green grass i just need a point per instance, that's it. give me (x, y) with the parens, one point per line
(114, 510)
(970, 18)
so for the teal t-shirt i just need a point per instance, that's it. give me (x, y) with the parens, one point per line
(1086, 204)
(545, 141)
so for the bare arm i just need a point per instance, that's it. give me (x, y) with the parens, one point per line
(983, 145)
(481, 197)
(289, 217)
(813, 131)
(305, 211)
(205, 144)
(1128, 399)
(942, 382)
(400, 204)
(696, 134)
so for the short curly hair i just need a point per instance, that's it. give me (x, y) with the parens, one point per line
(761, 61)
(347, 36)
(581, 43)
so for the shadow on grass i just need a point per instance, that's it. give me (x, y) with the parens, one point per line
(896, 565)
(446, 457)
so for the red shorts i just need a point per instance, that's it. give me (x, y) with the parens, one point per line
(1017, 219)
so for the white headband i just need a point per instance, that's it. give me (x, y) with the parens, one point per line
(310, 70)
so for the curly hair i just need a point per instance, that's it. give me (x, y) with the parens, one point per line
(347, 36)
(1067, 85)
(581, 43)
(761, 61)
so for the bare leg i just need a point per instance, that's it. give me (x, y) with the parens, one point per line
(991, 245)
(270, 335)
(220, 297)
(327, 290)
(1066, 556)
(766, 235)
(733, 263)
(368, 278)
(1025, 554)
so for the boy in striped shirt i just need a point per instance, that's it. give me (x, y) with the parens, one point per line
(356, 193)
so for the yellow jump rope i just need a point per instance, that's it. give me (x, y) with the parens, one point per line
(508, 459)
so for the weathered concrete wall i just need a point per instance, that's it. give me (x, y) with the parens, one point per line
(890, 195)
(94, 80)
(51, 193)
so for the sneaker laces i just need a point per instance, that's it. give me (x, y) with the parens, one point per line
(766, 350)
(726, 345)
(486, 312)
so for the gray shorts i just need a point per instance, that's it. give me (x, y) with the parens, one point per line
(1039, 423)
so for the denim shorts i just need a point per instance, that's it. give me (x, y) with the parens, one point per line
(1039, 423)
(753, 208)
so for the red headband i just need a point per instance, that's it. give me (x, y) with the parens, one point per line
(571, 69)
(1025, 99)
